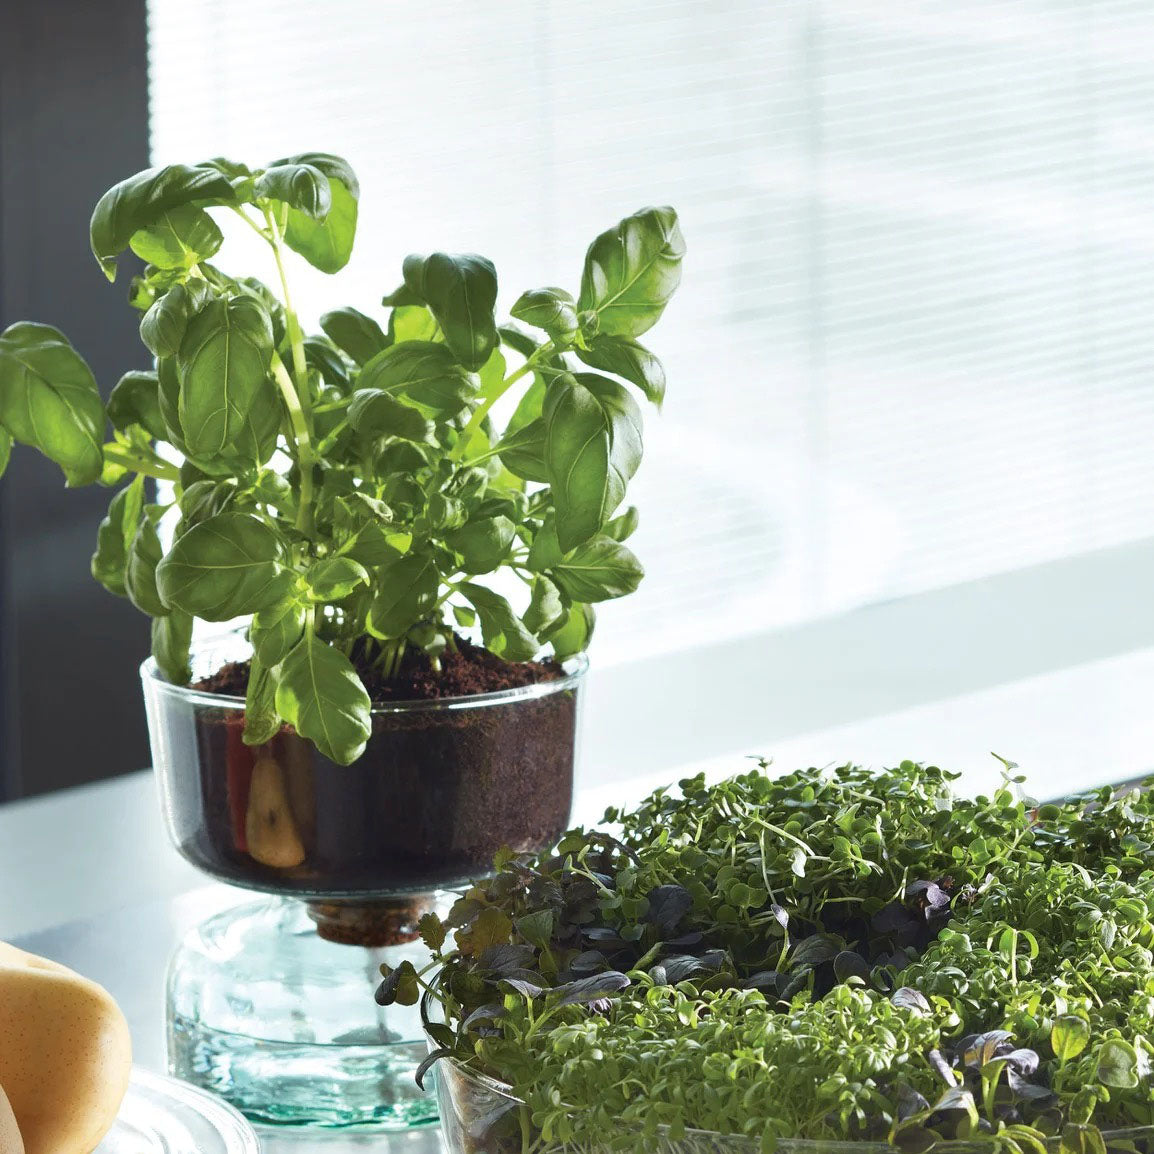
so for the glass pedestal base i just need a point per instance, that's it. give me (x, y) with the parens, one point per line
(283, 1025)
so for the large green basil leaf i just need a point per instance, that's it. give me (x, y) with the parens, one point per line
(358, 335)
(375, 413)
(140, 570)
(171, 642)
(592, 449)
(504, 632)
(626, 358)
(142, 199)
(228, 403)
(482, 543)
(551, 309)
(179, 238)
(162, 328)
(300, 186)
(423, 372)
(573, 633)
(406, 590)
(327, 243)
(320, 695)
(135, 400)
(115, 535)
(523, 451)
(597, 570)
(49, 399)
(225, 567)
(545, 606)
(460, 291)
(630, 273)
(275, 632)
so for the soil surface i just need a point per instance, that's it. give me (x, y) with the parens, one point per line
(471, 669)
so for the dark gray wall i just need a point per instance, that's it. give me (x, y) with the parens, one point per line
(73, 120)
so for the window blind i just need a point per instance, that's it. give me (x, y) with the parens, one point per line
(912, 346)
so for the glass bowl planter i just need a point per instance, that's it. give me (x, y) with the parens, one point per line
(354, 855)
(480, 1115)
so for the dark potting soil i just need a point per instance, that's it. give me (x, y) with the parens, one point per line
(434, 796)
(471, 669)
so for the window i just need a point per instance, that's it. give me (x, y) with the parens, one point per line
(912, 346)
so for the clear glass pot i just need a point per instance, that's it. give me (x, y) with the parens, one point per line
(270, 1004)
(482, 1116)
(442, 785)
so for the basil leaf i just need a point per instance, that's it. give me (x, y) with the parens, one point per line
(115, 535)
(630, 273)
(226, 566)
(135, 400)
(335, 578)
(522, 452)
(597, 570)
(529, 408)
(461, 291)
(162, 328)
(326, 244)
(482, 543)
(140, 570)
(422, 372)
(49, 399)
(412, 323)
(376, 413)
(168, 398)
(228, 403)
(356, 334)
(545, 606)
(171, 642)
(622, 527)
(275, 632)
(300, 186)
(574, 632)
(545, 551)
(551, 309)
(592, 449)
(179, 238)
(504, 632)
(406, 591)
(320, 695)
(142, 199)
(261, 720)
(626, 358)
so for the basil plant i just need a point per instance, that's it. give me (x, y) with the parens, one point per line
(349, 489)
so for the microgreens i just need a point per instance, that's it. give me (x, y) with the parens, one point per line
(350, 490)
(829, 956)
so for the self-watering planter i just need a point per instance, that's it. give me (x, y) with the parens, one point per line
(270, 998)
